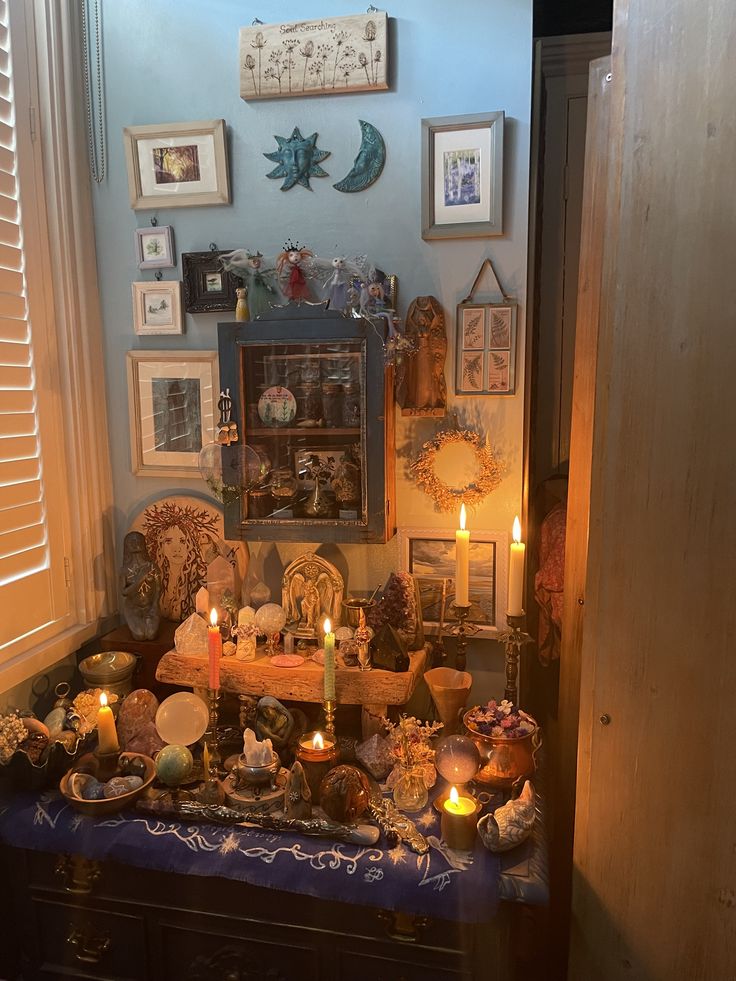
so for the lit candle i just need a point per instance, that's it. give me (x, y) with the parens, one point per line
(107, 736)
(462, 560)
(515, 604)
(318, 741)
(329, 663)
(317, 754)
(459, 818)
(214, 647)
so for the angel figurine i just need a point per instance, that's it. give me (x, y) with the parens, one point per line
(311, 587)
(262, 295)
(289, 264)
(337, 285)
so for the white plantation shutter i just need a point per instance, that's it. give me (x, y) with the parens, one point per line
(33, 594)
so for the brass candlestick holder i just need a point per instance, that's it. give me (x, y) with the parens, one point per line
(329, 706)
(463, 629)
(107, 765)
(210, 736)
(513, 640)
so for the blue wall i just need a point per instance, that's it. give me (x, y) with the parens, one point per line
(175, 60)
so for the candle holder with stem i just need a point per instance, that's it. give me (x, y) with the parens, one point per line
(329, 706)
(210, 736)
(463, 629)
(513, 641)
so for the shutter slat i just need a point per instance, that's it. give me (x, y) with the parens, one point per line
(16, 401)
(22, 564)
(14, 329)
(18, 448)
(11, 283)
(8, 185)
(8, 209)
(10, 257)
(16, 378)
(17, 495)
(11, 473)
(17, 424)
(21, 540)
(12, 306)
(16, 519)
(7, 161)
(9, 233)
(14, 354)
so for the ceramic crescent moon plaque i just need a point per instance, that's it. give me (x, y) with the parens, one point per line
(368, 165)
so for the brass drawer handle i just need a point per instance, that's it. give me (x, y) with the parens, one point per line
(88, 949)
(79, 874)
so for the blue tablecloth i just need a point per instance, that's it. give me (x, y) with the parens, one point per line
(444, 884)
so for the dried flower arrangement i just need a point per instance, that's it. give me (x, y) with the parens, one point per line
(449, 498)
(408, 741)
(500, 719)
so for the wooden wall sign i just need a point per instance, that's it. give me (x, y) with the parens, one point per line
(332, 56)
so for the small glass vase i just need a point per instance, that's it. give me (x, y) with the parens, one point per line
(410, 790)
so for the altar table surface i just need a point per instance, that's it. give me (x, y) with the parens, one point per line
(442, 884)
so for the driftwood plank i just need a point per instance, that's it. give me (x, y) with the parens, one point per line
(302, 684)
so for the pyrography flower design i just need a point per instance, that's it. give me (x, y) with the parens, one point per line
(306, 52)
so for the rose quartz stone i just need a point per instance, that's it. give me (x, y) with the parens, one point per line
(137, 709)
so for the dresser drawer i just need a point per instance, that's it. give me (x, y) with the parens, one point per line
(235, 949)
(359, 966)
(88, 943)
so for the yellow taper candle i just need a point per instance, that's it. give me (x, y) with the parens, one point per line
(515, 604)
(107, 736)
(462, 561)
(329, 663)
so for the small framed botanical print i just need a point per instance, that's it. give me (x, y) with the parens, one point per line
(208, 288)
(157, 308)
(172, 401)
(154, 247)
(485, 355)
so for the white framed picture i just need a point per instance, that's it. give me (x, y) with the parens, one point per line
(154, 247)
(157, 308)
(429, 555)
(172, 402)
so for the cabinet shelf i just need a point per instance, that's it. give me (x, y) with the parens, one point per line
(309, 432)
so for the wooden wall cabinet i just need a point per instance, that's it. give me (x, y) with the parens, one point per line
(312, 393)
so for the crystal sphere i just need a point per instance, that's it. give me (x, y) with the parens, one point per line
(173, 765)
(270, 618)
(457, 759)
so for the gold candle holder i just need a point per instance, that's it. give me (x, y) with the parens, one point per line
(210, 736)
(463, 629)
(317, 753)
(329, 706)
(107, 765)
(513, 640)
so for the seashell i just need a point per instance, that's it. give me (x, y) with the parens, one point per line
(34, 725)
(54, 721)
(92, 788)
(118, 786)
(77, 783)
(510, 824)
(68, 740)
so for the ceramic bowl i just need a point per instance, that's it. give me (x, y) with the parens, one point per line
(110, 805)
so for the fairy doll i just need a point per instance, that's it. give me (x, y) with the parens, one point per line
(337, 285)
(290, 266)
(262, 294)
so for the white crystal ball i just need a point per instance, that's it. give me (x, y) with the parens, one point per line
(270, 619)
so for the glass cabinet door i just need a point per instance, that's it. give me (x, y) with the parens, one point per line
(304, 414)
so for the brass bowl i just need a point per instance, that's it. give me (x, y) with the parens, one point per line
(353, 606)
(110, 805)
(504, 760)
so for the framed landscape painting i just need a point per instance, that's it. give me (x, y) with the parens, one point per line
(172, 401)
(157, 307)
(429, 555)
(176, 165)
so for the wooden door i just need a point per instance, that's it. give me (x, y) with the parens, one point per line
(654, 889)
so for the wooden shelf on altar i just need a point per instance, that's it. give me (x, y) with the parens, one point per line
(374, 690)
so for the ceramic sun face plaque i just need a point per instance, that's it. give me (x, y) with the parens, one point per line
(332, 56)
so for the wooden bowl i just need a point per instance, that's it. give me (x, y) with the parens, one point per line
(110, 805)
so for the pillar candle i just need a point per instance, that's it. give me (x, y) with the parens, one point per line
(459, 818)
(515, 605)
(462, 560)
(329, 663)
(107, 736)
(214, 647)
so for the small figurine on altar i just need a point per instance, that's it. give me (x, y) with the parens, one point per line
(246, 634)
(311, 587)
(289, 264)
(274, 722)
(337, 285)
(140, 582)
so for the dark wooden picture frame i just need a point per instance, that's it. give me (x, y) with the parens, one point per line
(201, 293)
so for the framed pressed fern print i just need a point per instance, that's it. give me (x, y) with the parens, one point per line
(485, 354)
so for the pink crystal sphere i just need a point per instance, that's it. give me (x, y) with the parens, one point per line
(457, 759)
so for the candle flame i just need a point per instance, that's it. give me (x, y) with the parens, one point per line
(317, 741)
(213, 616)
(454, 796)
(328, 626)
(462, 517)
(103, 698)
(517, 529)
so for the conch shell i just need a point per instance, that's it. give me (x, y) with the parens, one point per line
(510, 824)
